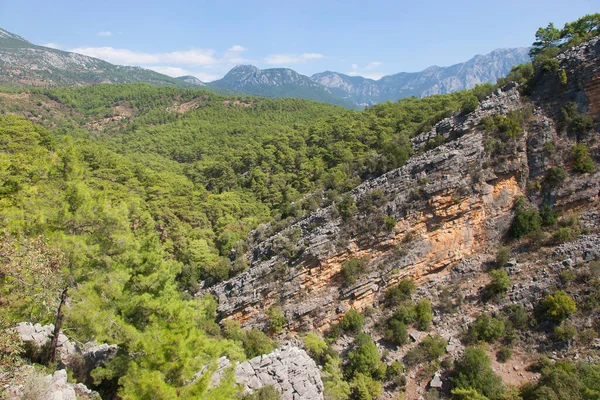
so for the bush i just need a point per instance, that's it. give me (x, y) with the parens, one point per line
(406, 313)
(473, 371)
(548, 215)
(276, 319)
(485, 328)
(424, 314)
(347, 207)
(267, 392)
(365, 358)
(562, 235)
(556, 175)
(365, 387)
(499, 284)
(504, 354)
(582, 161)
(502, 256)
(557, 307)
(351, 270)
(518, 315)
(352, 321)
(317, 347)
(430, 349)
(400, 292)
(396, 332)
(525, 222)
(469, 104)
(257, 343)
(389, 223)
(395, 369)
(564, 332)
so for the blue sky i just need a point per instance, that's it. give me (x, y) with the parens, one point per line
(207, 38)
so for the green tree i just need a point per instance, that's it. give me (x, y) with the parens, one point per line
(558, 306)
(545, 38)
(352, 321)
(365, 357)
(473, 371)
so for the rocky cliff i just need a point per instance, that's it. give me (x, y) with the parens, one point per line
(452, 204)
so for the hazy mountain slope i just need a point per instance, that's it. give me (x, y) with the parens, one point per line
(276, 82)
(433, 80)
(25, 64)
(192, 80)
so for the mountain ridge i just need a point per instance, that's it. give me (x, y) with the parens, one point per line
(23, 63)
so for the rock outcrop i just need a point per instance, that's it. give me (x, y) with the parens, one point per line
(289, 369)
(51, 387)
(94, 355)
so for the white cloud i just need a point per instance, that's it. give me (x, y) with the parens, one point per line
(286, 59)
(177, 72)
(237, 48)
(104, 34)
(125, 56)
(367, 71)
(52, 45)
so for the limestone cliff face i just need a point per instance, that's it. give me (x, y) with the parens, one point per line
(449, 204)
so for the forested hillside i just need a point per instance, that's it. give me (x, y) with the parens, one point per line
(147, 191)
(128, 211)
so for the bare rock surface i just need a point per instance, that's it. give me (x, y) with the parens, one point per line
(289, 369)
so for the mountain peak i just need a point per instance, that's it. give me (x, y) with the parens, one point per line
(6, 35)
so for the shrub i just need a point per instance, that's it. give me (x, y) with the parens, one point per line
(435, 346)
(499, 284)
(396, 332)
(430, 349)
(518, 316)
(562, 235)
(564, 332)
(406, 313)
(485, 328)
(267, 392)
(504, 354)
(469, 104)
(400, 292)
(347, 207)
(473, 371)
(389, 223)
(365, 357)
(582, 161)
(525, 222)
(556, 175)
(558, 306)
(257, 343)
(365, 387)
(581, 123)
(548, 215)
(316, 346)
(352, 321)
(502, 256)
(276, 319)
(424, 314)
(395, 369)
(351, 270)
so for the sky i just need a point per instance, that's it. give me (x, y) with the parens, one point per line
(207, 38)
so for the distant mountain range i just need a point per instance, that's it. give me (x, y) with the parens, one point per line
(433, 80)
(277, 82)
(25, 64)
(356, 91)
